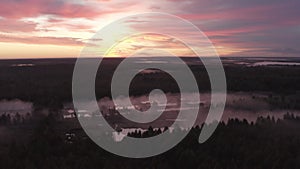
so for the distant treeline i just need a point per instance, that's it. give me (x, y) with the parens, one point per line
(238, 144)
(50, 84)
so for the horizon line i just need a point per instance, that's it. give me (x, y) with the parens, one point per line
(120, 57)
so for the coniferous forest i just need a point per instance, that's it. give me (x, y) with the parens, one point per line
(266, 143)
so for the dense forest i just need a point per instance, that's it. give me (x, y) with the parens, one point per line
(36, 140)
(237, 144)
(49, 82)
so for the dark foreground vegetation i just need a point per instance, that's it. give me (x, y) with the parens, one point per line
(267, 143)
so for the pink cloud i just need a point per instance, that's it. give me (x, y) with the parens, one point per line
(32, 8)
(64, 41)
(55, 23)
(12, 25)
(271, 24)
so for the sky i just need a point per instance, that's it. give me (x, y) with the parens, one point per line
(61, 28)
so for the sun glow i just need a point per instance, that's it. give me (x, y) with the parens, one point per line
(148, 42)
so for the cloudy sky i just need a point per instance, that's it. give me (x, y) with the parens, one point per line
(61, 28)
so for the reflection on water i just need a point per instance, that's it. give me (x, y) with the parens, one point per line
(22, 65)
(272, 63)
(15, 106)
(239, 105)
